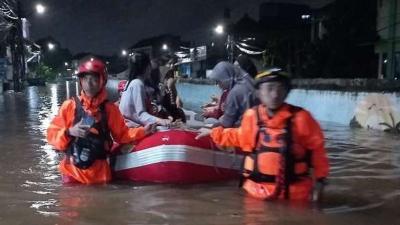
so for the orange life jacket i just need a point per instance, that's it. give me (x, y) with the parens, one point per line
(84, 151)
(272, 160)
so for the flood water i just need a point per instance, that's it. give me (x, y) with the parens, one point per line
(364, 185)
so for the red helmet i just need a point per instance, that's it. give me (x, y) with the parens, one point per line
(121, 85)
(93, 65)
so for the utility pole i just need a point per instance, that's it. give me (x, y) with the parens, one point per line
(20, 48)
(230, 43)
(18, 51)
(391, 70)
(230, 47)
(15, 57)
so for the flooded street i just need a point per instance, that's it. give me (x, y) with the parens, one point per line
(364, 185)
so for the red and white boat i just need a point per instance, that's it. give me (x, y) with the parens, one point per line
(175, 156)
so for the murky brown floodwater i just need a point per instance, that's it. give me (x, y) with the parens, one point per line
(364, 184)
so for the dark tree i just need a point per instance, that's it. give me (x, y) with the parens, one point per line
(54, 58)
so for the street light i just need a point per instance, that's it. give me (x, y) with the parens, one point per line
(219, 29)
(165, 47)
(305, 16)
(50, 46)
(40, 9)
(124, 52)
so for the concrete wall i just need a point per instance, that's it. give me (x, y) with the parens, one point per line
(357, 102)
(365, 109)
(351, 85)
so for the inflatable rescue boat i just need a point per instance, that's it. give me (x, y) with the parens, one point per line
(175, 156)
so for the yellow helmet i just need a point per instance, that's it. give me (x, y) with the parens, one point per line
(272, 75)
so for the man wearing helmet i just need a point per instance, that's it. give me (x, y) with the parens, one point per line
(281, 141)
(86, 126)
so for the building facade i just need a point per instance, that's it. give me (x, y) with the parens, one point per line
(388, 45)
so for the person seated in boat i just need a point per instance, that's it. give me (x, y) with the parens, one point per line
(240, 87)
(163, 94)
(224, 76)
(170, 101)
(282, 142)
(153, 82)
(86, 127)
(135, 102)
(152, 86)
(243, 66)
(243, 94)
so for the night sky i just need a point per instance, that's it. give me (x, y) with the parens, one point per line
(107, 26)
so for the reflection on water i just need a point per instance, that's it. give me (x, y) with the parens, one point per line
(364, 186)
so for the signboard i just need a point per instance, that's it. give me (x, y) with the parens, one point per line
(198, 53)
(201, 52)
(192, 54)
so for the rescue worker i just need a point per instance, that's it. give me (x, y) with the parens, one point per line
(281, 141)
(86, 127)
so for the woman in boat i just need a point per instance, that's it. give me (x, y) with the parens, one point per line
(135, 101)
(224, 76)
(238, 94)
(170, 101)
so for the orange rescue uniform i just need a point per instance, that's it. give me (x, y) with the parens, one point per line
(306, 139)
(99, 171)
